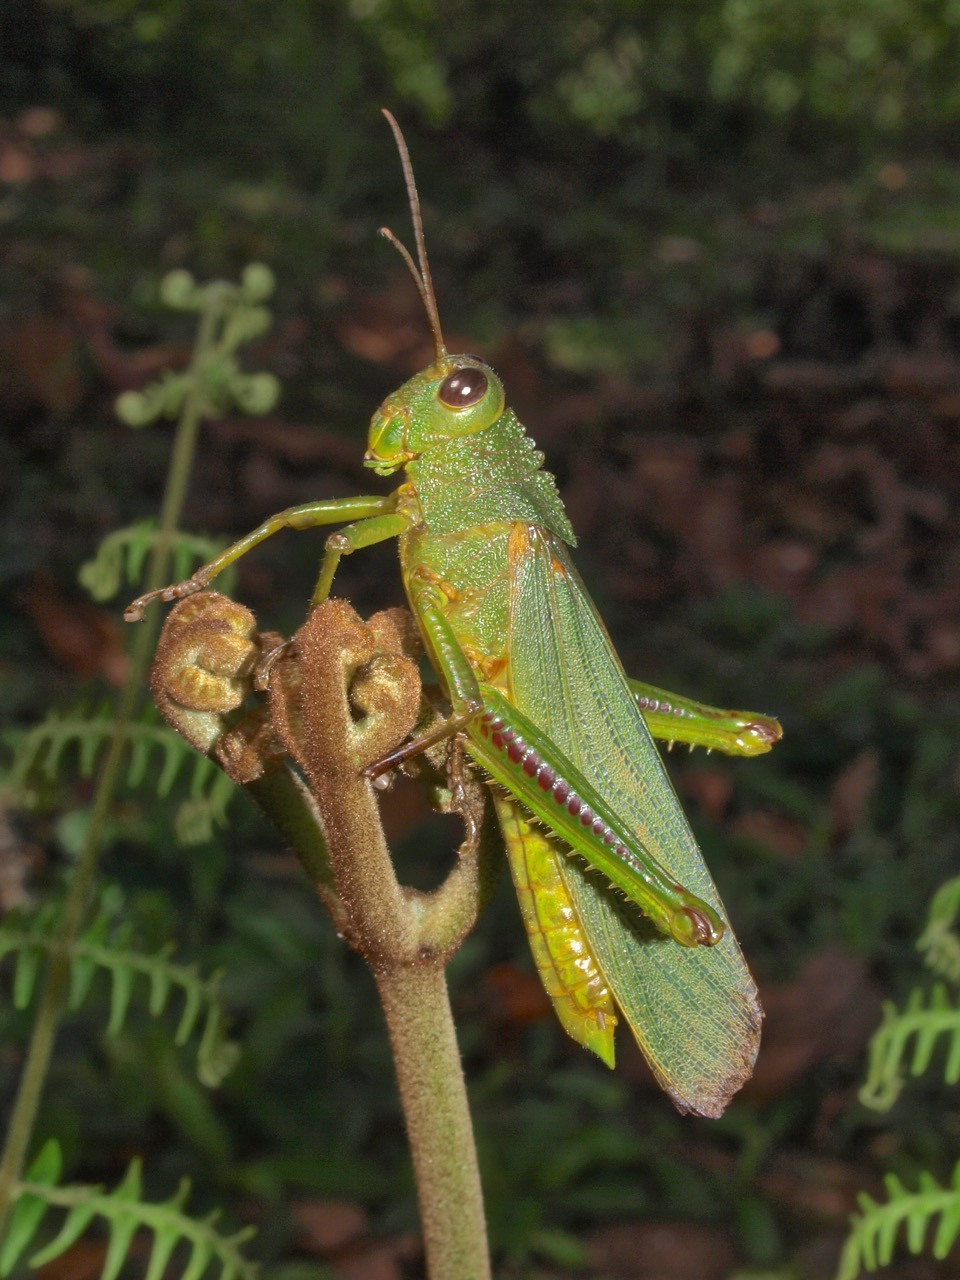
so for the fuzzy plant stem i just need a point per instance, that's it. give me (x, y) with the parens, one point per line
(437, 1117)
(406, 938)
(344, 694)
(423, 1040)
(56, 977)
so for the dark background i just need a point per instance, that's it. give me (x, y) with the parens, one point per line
(714, 251)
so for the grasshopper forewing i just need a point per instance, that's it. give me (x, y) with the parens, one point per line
(621, 913)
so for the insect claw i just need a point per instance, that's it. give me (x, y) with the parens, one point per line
(261, 677)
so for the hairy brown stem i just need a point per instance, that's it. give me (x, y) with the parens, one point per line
(344, 667)
(342, 696)
(437, 1116)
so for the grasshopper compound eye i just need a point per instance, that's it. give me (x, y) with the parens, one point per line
(463, 388)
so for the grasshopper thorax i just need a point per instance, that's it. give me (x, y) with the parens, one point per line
(455, 396)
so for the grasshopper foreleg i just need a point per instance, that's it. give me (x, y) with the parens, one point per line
(364, 533)
(309, 516)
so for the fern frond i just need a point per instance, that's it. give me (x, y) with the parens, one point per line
(876, 1227)
(921, 1024)
(84, 734)
(122, 554)
(105, 945)
(205, 809)
(939, 941)
(43, 747)
(125, 1213)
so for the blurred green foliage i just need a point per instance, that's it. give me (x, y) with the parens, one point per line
(600, 182)
(601, 63)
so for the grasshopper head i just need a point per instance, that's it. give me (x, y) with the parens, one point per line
(455, 396)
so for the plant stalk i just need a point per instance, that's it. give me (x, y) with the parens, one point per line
(437, 1117)
(388, 925)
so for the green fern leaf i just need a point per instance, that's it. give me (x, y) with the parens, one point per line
(82, 972)
(199, 1261)
(107, 945)
(29, 1209)
(74, 1225)
(949, 1226)
(191, 1009)
(43, 749)
(139, 762)
(120, 558)
(89, 746)
(211, 794)
(876, 1228)
(125, 1213)
(216, 1056)
(121, 989)
(920, 1025)
(25, 977)
(166, 1233)
(164, 1243)
(123, 1225)
(939, 941)
(24, 1220)
(161, 981)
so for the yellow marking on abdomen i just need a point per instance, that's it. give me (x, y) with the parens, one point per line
(570, 973)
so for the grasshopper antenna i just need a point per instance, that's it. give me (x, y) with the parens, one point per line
(422, 277)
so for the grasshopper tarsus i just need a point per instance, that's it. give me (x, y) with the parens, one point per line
(764, 733)
(417, 746)
(176, 591)
(264, 670)
(707, 932)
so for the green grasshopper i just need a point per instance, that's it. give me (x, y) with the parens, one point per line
(621, 913)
